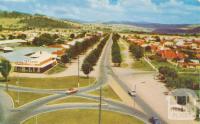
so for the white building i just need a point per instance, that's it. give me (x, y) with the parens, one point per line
(182, 104)
(36, 62)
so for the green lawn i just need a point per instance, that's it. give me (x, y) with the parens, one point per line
(122, 45)
(83, 117)
(24, 97)
(51, 83)
(142, 65)
(107, 92)
(56, 69)
(72, 100)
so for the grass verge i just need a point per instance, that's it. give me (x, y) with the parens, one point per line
(51, 83)
(83, 117)
(107, 92)
(56, 69)
(142, 65)
(72, 100)
(24, 97)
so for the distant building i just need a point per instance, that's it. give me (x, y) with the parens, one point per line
(7, 49)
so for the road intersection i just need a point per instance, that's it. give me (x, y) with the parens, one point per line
(12, 115)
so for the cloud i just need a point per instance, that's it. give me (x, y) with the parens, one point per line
(162, 11)
(15, 0)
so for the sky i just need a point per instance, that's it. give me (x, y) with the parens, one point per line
(155, 11)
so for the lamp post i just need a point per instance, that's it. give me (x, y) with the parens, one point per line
(135, 88)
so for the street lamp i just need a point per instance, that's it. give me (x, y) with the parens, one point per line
(135, 86)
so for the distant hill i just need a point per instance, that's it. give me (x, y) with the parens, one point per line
(195, 30)
(18, 20)
(163, 28)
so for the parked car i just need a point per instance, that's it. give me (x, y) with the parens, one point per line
(154, 120)
(132, 93)
(72, 90)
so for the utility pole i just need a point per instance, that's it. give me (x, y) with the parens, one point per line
(36, 119)
(78, 71)
(17, 82)
(100, 107)
(6, 77)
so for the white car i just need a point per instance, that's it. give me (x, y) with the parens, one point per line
(72, 90)
(132, 93)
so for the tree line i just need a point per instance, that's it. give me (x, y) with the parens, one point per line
(13, 14)
(116, 54)
(44, 22)
(175, 80)
(136, 50)
(79, 48)
(93, 57)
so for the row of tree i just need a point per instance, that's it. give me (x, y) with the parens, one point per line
(93, 57)
(79, 48)
(116, 54)
(136, 50)
(174, 80)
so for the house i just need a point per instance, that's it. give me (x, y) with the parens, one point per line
(170, 54)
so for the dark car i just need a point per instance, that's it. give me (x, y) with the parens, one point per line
(154, 120)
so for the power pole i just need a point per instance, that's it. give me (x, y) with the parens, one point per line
(100, 107)
(78, 70)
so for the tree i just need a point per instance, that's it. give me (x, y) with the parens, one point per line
(72, 36)
(86, 68)
(157, 38)
(139, 52)
(45, 39)
(5, 70)
(91, 58)
(22, 36)
(65, 59)
(1, 27)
